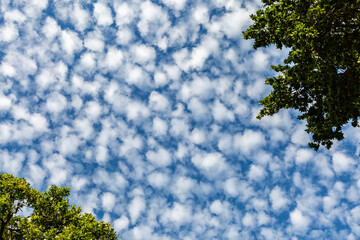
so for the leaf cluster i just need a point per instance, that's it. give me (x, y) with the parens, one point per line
(321, 75)
(52, 216)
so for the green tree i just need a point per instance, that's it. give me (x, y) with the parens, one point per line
(321, 76)
(52, 216)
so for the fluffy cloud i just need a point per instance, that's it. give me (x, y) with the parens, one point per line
(70, 42)
(136, 207)
(102, 14)
(341, 162)
(299, 221)
(108, 201)
(249, 141)
(212, 163)
(278, 199)
(175, 4)
(179, 214)
(158, 179)
(161, 157)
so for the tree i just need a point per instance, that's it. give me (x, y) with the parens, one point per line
(52, 216)
(321, 75)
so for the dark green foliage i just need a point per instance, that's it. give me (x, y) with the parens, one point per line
(52, 216)
(321, 76)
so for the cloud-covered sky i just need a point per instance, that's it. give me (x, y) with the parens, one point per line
(146, 109)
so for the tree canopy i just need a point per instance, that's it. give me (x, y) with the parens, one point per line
(321, 75)
(52, 216)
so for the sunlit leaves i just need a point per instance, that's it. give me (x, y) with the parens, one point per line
(52, 216)
(321, 76)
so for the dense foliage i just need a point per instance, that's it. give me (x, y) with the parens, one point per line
(321, 76)
(52, 216)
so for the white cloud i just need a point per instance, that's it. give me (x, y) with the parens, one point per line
(121, 223)
(329, 203)
(300, 137)
(94, 44)
(256, 90)
(299, 221)
(114, 58)
(124, 14)
(249, 220)
(260, 61)
(199, 110)
(304, 155)
(78, 183)
(124, 36)
(158, 179)
(130, 143)
(200, 14)
(21, 62)
(37, 174)
(8, 33)
(45, 78)
(136, 76)
(70, 42)
(80, 17)
(35, 6)
(278, 199)
(179, 214)
(102, 14)
(142, 54)
(256, 173)
(108, 201)
(183, 187)
(136, 207)
(11, 162)
(198, 56)
(153, 21)
(161, 157)
(179, 128)
(341, 162)
(56, 102)
(221, 113)
(160, 126)
(175, 4)
(84, 127)
(88, 60)
(51, 29)
(20, 112)
(5, 102)
(101, 154)
(58, 168)
(136, 111)
(249, 141)
(213, 163)
(14, 16)
(38, 121)
(231, 187)
(160, 79)
(197, 136)
(7, 69)
(141, 232)
(217, 207)
(69, 145)
(240, 16)
(158, 102)
(263, 219)
(93, 110)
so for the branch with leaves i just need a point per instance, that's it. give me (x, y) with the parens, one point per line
(321, 76)
(52, 216)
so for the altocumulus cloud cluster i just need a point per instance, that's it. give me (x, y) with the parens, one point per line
(146, 109)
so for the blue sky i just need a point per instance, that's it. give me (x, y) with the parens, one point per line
(146, 109)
